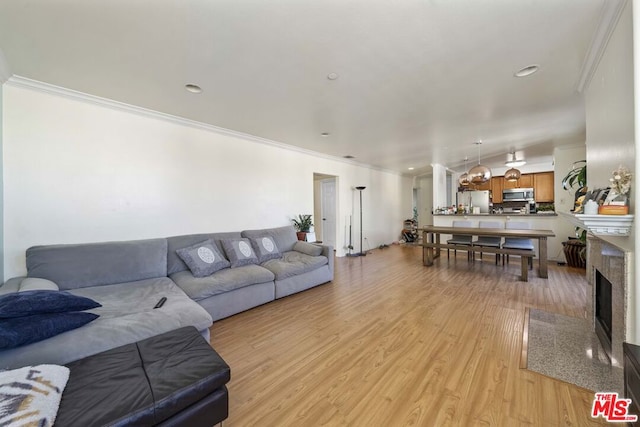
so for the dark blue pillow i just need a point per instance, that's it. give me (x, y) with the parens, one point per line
(25, 330)
(26, 303)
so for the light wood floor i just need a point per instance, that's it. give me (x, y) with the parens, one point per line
(392, 343)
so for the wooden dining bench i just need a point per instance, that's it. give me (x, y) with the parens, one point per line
(524, 255)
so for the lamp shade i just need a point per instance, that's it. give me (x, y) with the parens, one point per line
(464, 179)
(512, 174)
(479, 174)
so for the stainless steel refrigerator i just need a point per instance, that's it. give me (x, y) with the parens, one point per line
(478, 199)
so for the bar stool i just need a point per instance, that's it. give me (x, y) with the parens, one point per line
(489, 241)
(518, 242)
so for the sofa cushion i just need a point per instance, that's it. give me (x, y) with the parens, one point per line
(33, 284)
(285, 237)
(239, 252)
(41, 302)
(226, 280)
(293, 263)
(203, 258)
(127, 315)
(97, 264)
(175, 264)
(265, 248)
(29, 329)
(308, 248)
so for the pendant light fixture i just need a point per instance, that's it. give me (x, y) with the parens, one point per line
(512, 174)
(513, 162)
(464, 178)
(479, 173)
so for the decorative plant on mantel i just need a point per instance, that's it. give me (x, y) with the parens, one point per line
(575, 248)
(577, 176)
(302, 224)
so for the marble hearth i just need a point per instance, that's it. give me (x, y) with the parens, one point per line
(615, 264)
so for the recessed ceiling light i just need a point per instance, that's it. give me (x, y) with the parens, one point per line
(348, 156)
(527, 71)
(325, 134)
(411, 169)
(332, 76)
(193, 88)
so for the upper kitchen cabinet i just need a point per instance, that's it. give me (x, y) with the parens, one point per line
(543, 185)
(525, 181)
(496, 188)
(483, 186)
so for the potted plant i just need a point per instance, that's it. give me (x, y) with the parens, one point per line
(575, 248)
(302, 224)
(576, 176)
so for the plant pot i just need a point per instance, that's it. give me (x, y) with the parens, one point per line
(302, 235)
(575, 253)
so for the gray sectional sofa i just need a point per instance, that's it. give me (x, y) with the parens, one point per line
(128, 278)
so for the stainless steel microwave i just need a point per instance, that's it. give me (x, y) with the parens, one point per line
(517, 195)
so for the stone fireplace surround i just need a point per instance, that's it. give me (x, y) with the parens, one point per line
(615, 264)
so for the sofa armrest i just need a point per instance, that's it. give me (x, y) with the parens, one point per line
(327, 250)
(11, 285)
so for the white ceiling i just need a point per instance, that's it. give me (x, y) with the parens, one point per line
(419, 80)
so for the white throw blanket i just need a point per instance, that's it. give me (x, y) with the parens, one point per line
(30, 396)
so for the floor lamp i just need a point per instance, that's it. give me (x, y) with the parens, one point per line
(361, 253)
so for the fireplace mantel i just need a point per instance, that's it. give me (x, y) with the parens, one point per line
(601, 225)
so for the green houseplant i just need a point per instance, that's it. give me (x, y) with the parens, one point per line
(575, 248)
(302, 224)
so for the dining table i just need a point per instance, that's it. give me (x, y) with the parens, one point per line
(431, 240)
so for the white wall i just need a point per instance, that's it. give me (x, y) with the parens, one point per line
(1, 178)
(75, 172)
(609, 107)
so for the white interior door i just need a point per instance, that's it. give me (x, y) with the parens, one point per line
(328, 210)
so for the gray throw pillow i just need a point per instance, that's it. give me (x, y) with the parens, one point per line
(203, 259)
(307, 248)
(239, 252)
(265, 248)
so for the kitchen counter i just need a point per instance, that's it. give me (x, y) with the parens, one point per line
(537, 215)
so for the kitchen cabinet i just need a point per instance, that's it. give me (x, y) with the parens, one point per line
(543, 186)
(525, 181)
(496, 189)
(483, 186)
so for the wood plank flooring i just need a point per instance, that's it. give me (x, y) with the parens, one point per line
(392, 343)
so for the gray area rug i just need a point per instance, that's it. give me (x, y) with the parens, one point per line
(566, 348)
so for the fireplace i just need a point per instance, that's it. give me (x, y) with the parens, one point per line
(602, 311)
(609, 276)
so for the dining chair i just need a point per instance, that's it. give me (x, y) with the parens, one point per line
(489, 241)
(518, 242)
(461, 239)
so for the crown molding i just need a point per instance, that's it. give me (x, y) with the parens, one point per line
(24, 82)
(5, 73)
(609, 16)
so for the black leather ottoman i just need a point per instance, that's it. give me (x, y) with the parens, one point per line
(172, 379)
